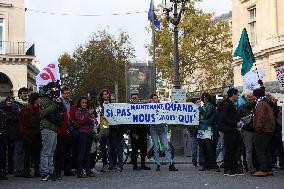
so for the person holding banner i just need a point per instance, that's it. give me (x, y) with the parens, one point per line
(158, 132)
(105, 145)
(205, 133)
(138, 136)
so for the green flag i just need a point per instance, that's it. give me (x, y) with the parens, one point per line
(244, 51)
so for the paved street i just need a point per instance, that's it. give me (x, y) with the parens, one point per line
(187, 177)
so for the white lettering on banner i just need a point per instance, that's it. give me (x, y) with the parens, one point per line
(170, 113)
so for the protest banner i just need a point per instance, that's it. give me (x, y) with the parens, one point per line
(160, 113)
(280, 76)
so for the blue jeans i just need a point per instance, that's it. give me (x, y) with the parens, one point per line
(85, 144)
(220, 149)
(49, 141)
(196, 151)
(19, 155)
(160, 132)
(116, 147)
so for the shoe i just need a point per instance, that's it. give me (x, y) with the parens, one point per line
(240, 173)
(259, 174)
(45, 177)
(158, 168)
(58, 177)
(269, 173)
(117, 168)
(19, 174)
(111, 168)
(90, 174)
(194, 164)
(230, 174)
(144, 167)
(202, 168)
(105, 169)
(217, 170)
(136, 168)
(53, 177)
(121, 167)
(81, 175)
(172, 167)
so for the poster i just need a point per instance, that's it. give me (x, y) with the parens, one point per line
(280, 76)
(140, 80)
(178, 95)
(152, 113)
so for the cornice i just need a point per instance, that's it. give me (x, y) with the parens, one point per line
(261, 54)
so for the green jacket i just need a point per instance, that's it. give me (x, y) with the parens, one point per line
(207, 114)
(47, 107)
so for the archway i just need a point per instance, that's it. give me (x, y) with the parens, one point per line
(6, 86)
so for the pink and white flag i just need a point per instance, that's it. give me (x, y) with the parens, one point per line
(48, 74)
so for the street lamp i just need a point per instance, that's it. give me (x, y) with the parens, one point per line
(177, 7)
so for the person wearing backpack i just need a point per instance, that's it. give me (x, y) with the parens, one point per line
(264, 125)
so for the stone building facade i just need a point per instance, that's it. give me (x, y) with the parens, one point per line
(16, 56)
(264, 21)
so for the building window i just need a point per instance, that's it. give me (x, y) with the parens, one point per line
(1, 35)
(252, 24)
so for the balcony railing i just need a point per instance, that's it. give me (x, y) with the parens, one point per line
(16, 48)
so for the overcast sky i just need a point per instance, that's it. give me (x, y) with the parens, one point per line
(55, 34)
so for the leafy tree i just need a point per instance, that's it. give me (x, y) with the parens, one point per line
(98, 64)
(204, 50)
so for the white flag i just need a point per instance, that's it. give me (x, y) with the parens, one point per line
(48, 74)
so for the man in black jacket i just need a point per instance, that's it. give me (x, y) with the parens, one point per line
(228, 124)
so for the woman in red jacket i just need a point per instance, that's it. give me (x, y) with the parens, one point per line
(85, 121)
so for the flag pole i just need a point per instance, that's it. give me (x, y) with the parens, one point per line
(154, 45)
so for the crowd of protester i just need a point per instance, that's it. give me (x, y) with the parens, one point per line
(242, 137)
(49, 135)
(46, 134)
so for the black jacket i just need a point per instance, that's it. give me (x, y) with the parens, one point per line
(228, 117)
(12, 120)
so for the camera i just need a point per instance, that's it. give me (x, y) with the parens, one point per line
(51, 90)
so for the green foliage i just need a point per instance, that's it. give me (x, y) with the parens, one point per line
(98, 64)
(204, 50)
